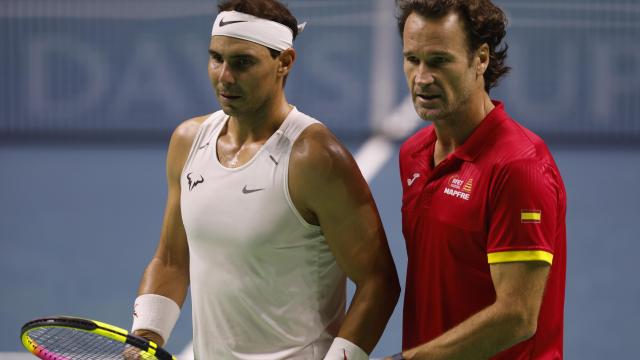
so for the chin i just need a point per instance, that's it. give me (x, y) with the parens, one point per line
(229, 110)
(429, 114)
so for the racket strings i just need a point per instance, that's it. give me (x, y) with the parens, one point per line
(59, 343)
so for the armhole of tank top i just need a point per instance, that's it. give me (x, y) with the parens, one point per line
(285, 181)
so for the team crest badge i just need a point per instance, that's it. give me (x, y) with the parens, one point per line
(459, 188)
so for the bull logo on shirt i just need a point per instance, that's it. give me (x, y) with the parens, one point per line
(193, 180)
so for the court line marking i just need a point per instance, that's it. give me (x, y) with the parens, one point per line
(17, 356)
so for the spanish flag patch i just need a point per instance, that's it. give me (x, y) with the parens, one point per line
(530, 216)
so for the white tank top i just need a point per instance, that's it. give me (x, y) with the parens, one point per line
(264, 283)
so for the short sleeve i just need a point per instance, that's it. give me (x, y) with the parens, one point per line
(524, 208)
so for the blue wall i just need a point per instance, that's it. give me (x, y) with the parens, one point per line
(136, 68)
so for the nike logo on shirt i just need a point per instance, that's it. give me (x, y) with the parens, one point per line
(249, 191)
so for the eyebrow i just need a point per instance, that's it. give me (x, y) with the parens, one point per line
(232, 56)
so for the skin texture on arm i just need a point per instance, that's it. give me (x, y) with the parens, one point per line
(168, 271)
(328, 189)
(511, 319)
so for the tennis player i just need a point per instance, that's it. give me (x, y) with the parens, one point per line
(483, 204)
(267, 213)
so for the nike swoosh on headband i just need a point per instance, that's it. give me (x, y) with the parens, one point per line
(224, 23)
(271, 34)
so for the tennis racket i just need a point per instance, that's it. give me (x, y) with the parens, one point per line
(69, 338)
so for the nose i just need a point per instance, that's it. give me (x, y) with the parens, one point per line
(221, 73)
(423, 76)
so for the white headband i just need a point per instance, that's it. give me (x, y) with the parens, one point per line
(248, 27)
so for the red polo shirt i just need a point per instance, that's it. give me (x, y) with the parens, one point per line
(498, 198)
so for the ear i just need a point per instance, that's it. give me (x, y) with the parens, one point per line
(482, 57)
(285, 61)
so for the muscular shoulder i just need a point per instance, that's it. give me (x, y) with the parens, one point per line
(318, 155)
(180, 144)
(184, 133)
(323, 175)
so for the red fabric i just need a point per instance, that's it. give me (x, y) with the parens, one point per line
(468, 206)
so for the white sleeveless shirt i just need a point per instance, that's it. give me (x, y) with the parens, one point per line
(264, 283)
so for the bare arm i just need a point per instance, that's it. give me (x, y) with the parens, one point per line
(168, 271)
(328, 189)
(510, 320)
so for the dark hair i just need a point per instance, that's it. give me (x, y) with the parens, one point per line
(266, 9)
(483, 22)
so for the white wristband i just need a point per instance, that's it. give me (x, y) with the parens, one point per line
(156, 313)
(344, 349)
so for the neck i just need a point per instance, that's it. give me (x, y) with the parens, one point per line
(454, 130)
(261, 124)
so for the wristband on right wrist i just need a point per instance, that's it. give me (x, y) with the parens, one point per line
(398, 356)
(156, 313)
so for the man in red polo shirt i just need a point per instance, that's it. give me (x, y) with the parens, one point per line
(483, 201)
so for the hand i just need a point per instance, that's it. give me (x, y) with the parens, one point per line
(150, 335)
(132, 353)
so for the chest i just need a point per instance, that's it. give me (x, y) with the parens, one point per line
(243, 204)
(453, 194)
(232, 155)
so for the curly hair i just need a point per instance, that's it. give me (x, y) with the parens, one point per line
(483, 22)
(266, 9)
